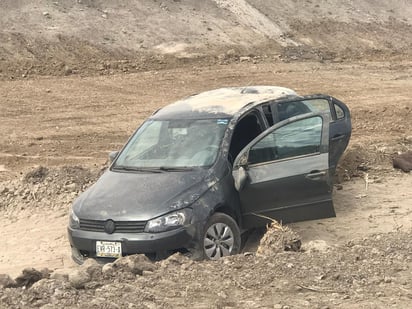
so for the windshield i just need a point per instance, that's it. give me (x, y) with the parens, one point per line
(166, 144)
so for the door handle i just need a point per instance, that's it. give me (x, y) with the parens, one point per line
(315, 174)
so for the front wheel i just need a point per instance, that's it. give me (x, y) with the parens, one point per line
(221, 237)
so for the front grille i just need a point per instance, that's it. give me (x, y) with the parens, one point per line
(120, 226)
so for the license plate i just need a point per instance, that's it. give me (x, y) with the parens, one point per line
(108, 249)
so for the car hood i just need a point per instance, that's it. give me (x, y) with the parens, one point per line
(125, 196)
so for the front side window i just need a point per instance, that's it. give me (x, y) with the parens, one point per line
(174, 143)
(298, 138)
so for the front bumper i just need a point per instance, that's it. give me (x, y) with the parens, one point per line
(83, 243)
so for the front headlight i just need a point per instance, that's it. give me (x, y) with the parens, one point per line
(74, 221)
(170, 221)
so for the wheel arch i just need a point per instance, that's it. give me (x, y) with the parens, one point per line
(228, 211)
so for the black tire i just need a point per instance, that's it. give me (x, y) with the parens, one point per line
(221, 237)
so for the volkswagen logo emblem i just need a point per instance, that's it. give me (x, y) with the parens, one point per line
(109, 226)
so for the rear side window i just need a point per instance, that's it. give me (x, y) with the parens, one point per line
(290, 109)
(339, 112)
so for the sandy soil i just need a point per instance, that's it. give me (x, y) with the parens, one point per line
(78, 77)
(72, 121)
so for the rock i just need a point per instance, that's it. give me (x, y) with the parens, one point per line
(49, 286)
(175, 259)
(71, 187)
(79, 278)
(6, 281)
(67, 70)
(316, 245)
(107, 269)
(403, 161)
(56, 275)
(3, 189)
(93, 268)
(231, 53)
(221, 57)
(135, 264)
(244, 59)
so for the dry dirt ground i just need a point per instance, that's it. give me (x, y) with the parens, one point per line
(77, 78)
(56, 136)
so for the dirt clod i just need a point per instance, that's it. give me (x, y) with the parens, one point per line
(403, 161)
(6, 281)
(30, 275)
(278, 238)
(37, 175)
(79, 277)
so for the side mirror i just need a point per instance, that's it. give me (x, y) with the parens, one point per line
(112, 155)
(240, 176)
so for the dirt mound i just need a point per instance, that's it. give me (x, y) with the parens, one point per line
(367, 158)
(370, 272)
(50, 187)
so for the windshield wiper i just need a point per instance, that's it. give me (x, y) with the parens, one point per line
(175, 169)
(137, 169)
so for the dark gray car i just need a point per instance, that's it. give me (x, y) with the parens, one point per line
(202, 170)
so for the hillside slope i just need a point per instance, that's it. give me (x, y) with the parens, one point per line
(66, 36)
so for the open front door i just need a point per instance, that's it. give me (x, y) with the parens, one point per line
(284, 172)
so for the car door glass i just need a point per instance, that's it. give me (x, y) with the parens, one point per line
(298, 138)
(290, 109)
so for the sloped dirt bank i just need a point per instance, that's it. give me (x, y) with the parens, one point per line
(66, 37)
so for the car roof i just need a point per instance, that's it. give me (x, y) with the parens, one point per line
(223, 102)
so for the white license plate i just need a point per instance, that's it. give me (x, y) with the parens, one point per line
(108, 249)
